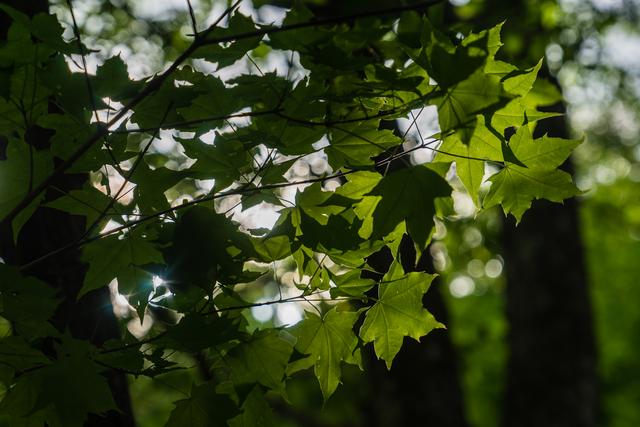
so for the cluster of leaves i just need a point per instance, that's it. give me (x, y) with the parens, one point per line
(360, 73)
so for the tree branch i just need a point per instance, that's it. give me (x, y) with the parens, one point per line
(322, 22)
(154, 84)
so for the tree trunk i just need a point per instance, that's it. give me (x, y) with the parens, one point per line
(422, 388)
(90, 318)
(551, 374)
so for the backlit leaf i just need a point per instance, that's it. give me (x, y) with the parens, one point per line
(398, 313)
(329, 341)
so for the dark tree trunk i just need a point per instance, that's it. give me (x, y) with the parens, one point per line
(91, 318)
(422, 388)
(551, 374)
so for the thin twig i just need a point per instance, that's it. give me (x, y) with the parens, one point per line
(322, 22)
(87, 79)
(192, 15)
(197, 121)
(127, 177)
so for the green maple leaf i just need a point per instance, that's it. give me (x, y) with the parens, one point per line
(70, 132)
(262, 360)
(521, 82)
(337, 233)
(478, 98)
(516, 186)
(20, 400)
(85, 390)
(16, 354)
(407, 195)
(256, 412)
(211, 99)
(544, 153)
(398, 313)
(273, 248)
(358, 184)
(113, 256)
(136, 285)
(461, 103)
(151, 185)
(27, 302)
(196, 332)
(488, 39)
(329, 341)
(470, 158)
(204, 408)
(112, 80)
(88, 202)
(24, 168)
(227, 55)
(206, 247)
(357, 144)
(67, 389)
(514, 112)
(163, 104)
(129, 359)
(225, 160)
(350, 284)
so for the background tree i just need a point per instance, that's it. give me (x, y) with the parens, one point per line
(91, 317)
(548, 303)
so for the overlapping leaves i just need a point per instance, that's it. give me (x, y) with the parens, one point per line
(237, 142)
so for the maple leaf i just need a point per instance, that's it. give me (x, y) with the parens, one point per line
(328, 340)
(398, 313)
(408, 195)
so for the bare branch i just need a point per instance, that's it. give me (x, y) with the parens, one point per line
(192, 15)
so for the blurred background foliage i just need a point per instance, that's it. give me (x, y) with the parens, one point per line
(592, 48)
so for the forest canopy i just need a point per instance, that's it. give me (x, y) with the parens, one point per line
(94, 213)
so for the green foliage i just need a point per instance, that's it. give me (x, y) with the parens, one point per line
(24, 168)
(245, 136)
(535, 176)
(398, 313)
(328, 341)
(204, 408)
(36, 392)
(611, 221)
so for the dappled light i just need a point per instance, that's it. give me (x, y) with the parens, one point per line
(319, 213)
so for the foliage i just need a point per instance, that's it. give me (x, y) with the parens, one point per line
(244, 134)
(611, 221)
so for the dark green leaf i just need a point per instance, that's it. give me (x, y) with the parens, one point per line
(407, 195)
(263, 359)
(204, 408)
